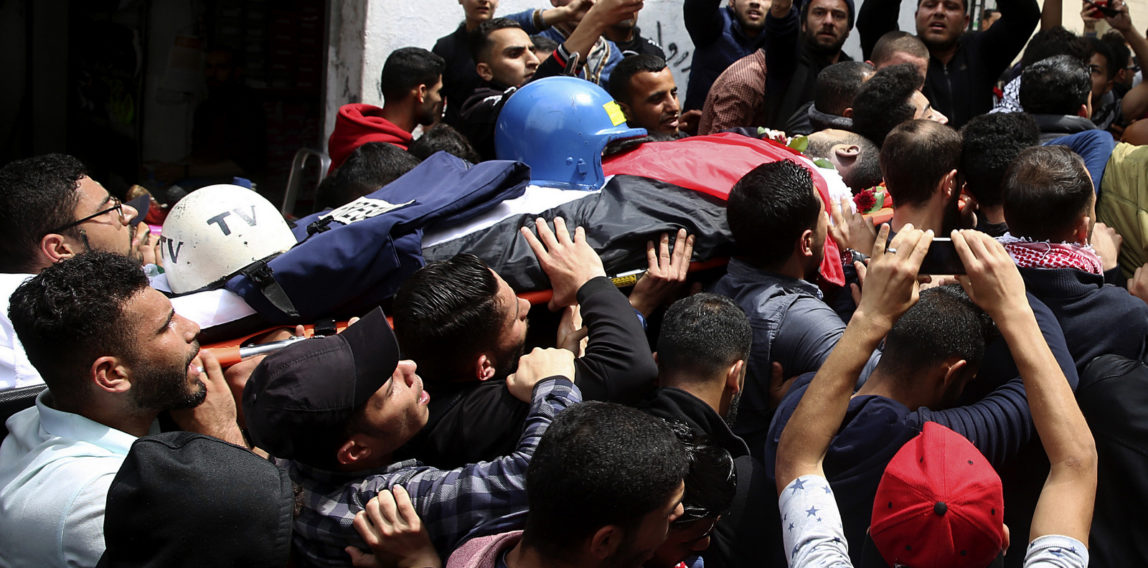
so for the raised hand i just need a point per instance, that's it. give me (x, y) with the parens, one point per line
(568, 262)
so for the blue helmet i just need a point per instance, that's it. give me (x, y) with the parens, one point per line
(559, 126)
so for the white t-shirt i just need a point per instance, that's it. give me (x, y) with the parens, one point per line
(15, 370)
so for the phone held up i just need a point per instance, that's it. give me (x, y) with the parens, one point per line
(942, 258)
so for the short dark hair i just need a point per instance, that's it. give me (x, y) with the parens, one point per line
(883, 101)
(1053, 41)
(1046, 189)
(368, 168)
(407, 68)
(479, 38)
(866, 171)
(443, 137)
(711, 480)
(543, 44)
(701, 336)
(989, 143)
(944, 323)
(620, 77)
(622, 464)
(838, 84)
(898, 41)
(769, 208)
(1118, 50)
(1056, 85)
(72, 313)
(36, 195)
(1096, 46)
(446, 314)
(916, 155)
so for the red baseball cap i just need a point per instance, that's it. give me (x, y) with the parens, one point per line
(939, 504)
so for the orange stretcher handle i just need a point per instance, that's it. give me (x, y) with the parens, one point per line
(228, 354)
(543, 296)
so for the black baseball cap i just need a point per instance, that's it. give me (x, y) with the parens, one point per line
(298, 401)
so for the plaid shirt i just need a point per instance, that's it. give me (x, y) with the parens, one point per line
(737, 97)
(455, 505)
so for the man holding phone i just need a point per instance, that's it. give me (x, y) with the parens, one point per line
(932, 352)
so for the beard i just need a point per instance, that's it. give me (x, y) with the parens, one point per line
(429, 116)
(821, 50)
(160, 388)
(731, 414)
(508, 361)
(813, 269)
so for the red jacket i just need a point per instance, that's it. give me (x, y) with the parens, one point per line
(358, 124)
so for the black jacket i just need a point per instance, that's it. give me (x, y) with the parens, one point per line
(1053, 126)
(963, 88)
(739, 539)
(791, 70)
(640, 46)
(1097, 318)
(476, 421)
(1113, 395)
(459, 79)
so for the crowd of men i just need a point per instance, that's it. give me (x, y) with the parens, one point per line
(965, 386)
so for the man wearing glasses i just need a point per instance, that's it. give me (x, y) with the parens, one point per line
(50, 210)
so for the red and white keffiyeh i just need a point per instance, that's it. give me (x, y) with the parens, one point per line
(1043, 254)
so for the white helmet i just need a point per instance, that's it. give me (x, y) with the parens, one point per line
(216, 231)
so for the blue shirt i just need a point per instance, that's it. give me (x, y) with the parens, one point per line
(1094, 146)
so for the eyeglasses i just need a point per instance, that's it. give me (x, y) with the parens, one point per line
(117, 206)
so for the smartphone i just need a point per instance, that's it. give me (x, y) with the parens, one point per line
(1103, 7)
(942, 258)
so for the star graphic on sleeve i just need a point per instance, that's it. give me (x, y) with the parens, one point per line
(828, 490)
(798, 484)
(812, 512)
(791, 526)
